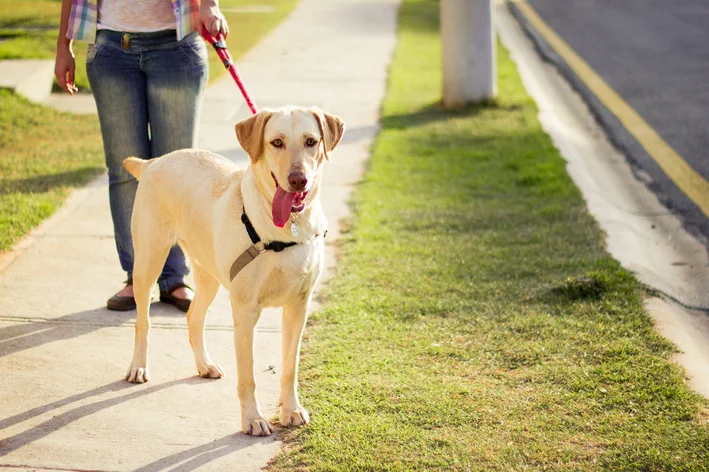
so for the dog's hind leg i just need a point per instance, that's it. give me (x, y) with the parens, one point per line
(294, 316)
(206, 288)
(150, 256)
(252, 420)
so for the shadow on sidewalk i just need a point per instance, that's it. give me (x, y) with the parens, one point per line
(33, 333)
(195, 457)
(201, 455)
(19, 418)
(57, 422)
(353, 135)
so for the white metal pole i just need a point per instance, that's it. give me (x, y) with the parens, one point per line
(469, 52)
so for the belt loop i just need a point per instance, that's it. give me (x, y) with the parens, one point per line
(125, 40)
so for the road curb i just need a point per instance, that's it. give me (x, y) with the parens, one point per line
(643, 165)
(640, 233)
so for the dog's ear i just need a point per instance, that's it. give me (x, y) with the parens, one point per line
(331, 129)
(250, 133)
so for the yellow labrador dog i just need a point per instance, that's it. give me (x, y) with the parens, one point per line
(257, 231)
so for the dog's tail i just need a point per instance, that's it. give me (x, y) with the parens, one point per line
(137, 166)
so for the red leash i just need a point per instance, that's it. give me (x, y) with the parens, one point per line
(220, 47)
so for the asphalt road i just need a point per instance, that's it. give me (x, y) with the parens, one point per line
(655, 54)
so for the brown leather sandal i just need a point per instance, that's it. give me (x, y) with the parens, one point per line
(183, 304)
(121, 303)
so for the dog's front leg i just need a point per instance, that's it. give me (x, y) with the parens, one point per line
(294, 316)
(252, 420)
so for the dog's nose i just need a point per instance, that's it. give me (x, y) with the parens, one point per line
(297, 181)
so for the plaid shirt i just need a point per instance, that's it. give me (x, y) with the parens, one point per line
(84, 18)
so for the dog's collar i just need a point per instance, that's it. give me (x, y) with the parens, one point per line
(257, 247)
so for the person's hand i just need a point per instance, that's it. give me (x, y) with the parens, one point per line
(64, 67)
(212, 19)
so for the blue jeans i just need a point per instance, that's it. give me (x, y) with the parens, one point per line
(148, 89)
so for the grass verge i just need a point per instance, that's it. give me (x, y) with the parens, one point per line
(28, 30)
(44, 152)
(476, 321)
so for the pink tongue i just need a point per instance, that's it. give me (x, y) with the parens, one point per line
(281, 206)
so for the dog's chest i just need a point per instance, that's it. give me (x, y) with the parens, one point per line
(276, 278)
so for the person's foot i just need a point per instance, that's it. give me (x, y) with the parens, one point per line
(123, 300)
(127, 290)
(179, 295)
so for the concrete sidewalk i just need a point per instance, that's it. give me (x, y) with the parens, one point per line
(63, 403)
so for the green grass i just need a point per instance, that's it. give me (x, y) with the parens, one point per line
(476, 321)
(45, 153)
(30, 29)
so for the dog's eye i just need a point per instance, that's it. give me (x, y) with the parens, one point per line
(310, 142)
(277, 143)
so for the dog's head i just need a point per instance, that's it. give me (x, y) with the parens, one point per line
(287, 147)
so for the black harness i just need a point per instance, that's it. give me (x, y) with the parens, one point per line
(257, 247)
(276, 246)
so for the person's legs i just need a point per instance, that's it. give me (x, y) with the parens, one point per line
(119, 87)
(177, 75)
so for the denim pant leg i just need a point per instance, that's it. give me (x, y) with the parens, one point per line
(119, 88)
(176, 79)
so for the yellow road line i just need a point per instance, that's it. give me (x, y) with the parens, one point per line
(687, 179)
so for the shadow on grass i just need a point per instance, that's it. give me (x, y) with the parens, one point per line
(11, 33)
(417, 17)
(434, 112)
(30, 23)
(45, 183)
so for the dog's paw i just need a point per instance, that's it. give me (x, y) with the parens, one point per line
(257, 427)
(210, 371)
(294, 416)
(138, 374)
